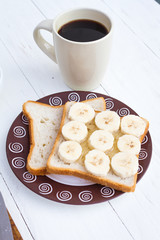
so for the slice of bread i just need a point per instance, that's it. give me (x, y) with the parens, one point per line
(57, 166)
(44, 124)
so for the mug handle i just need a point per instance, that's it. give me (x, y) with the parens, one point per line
(45, 46)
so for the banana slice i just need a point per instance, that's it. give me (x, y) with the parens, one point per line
(75, 131)
(108, 120)
(81, 112)
(124, 164)
(69, 151)
(129, 143)
(101, 140)
(133, 125)
(97, 163)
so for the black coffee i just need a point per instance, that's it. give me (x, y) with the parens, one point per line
(83, 31)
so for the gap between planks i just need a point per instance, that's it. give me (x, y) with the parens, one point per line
(19, 67)
(121, 220)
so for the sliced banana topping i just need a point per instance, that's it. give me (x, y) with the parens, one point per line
(129, 143)
(97, 163)
(133, 125)
(69, 151)
(75, 131)
(108, 120)
(101, 140)
(124, 164)
(81, 112)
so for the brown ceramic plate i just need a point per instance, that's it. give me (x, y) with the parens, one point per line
(60, 188)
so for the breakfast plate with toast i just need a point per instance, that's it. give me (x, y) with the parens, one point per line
(79, 147)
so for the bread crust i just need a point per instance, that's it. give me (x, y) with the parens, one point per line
(42, 170)
(87, 175)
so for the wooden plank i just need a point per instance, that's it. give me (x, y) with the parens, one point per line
(15, 89)
(142, 18)
(14, 211)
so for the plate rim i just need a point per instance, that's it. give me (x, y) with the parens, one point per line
(79, 92)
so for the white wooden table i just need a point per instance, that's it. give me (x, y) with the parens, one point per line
(133, 77)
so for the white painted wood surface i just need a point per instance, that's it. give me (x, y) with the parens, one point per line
(133, 77)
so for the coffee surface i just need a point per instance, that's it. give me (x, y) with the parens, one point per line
(83, 31)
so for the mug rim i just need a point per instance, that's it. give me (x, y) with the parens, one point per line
(82, 9)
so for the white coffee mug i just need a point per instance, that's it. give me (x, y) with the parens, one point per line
(82, 64)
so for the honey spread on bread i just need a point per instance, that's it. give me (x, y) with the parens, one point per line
(106, 149)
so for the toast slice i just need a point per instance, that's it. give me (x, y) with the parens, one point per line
(44, 124)
(57, 166)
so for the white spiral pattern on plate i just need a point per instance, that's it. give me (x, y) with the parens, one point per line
(109, 103)
(91, 95)
(107, 192)
(143, 154)
(140, 169)
(55, 101)
(123, 112)
(25, 120)
(18, 162)
(145, 139)
(45, 188)
(15, 147)
(28, 177)
(85, 196)
(74, 97)
(64, 196)
(19, 132)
